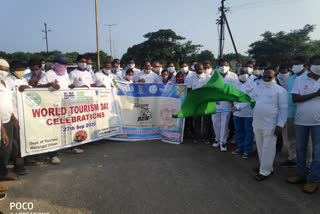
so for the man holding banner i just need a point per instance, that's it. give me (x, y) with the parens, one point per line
(57, 79)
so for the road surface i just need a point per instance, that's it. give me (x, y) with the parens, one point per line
(155, 177)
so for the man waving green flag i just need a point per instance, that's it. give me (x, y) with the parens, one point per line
(202, 101)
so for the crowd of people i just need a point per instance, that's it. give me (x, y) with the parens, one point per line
(286, 109)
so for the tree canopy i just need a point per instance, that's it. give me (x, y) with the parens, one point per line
(163, 46)
(24, 57)
(281, 47)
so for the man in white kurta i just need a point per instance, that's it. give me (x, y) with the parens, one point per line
(269, 117)
(221, 120)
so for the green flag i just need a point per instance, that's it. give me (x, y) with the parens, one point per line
(202, 101)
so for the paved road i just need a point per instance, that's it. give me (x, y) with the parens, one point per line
(155, 177)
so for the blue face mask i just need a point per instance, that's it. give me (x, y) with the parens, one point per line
(164, 77)
(114, 70)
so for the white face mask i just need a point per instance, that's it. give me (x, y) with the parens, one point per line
(256, 73)
(160, 70)
(250, 70)
(147, 71)
(269, 84)
(209, 70)
(244, 77)
(88, 67)
(297, 68)
(156, 70)
(3, 74)
(261, 72)
(82, 65)
(131, 65)
(106, 71)
(43, 66)
(283, 77)
(170, 69)
(184, 70)
(224, 69)
(315, 69)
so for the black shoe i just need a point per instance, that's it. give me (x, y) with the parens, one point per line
(260, 177)
(288, 163)
(21, 171)
(3, 196)
(256, 169)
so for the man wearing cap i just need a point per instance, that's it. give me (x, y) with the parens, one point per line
(9, 122)
(57, 78)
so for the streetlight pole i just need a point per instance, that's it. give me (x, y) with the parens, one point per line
(97, 33)
(46, 34)
(110, 37)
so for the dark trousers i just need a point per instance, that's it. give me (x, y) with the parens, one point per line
(16, 151)
(201, 127)
(5, 151)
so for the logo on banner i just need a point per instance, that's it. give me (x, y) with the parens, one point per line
(33, 99)
(153, 89)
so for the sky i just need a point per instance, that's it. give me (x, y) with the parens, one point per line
(72, 22)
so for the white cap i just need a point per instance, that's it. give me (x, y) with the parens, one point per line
(4, 63)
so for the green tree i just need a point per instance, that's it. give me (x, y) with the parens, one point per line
(233, 57)
(281, 47)
(163, 46)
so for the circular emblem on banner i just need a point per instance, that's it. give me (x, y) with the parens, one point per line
(153, 89)
(32, 99)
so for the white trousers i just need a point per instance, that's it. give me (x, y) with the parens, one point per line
(266, 146)
(220, 123)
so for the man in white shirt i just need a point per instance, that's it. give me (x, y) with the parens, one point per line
(282, 76)
(14, 82)
(200, 128)
(208, 67)
(119, 65)
(147, 76)
(104, 78)
(43, 65)
(156, 68)
(221, 120)
(172, 72)
(35, 75)
(9, 122)
(131, 65)
(89, 67)
(306, 93)
(116, 73)
(299, 68)
(57, 79)
(243, 116)
(80, 77)
(269, 117)
(184, 68)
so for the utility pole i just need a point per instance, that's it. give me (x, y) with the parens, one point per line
(46, 34)
(97, 33)
(110, 38)
(221, 22)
